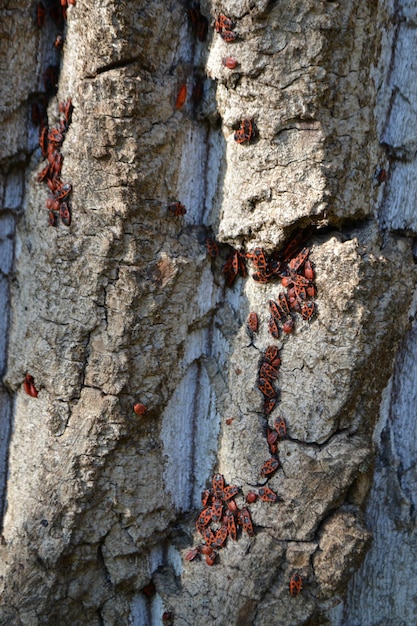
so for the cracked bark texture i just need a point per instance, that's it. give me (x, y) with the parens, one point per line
(124, 306)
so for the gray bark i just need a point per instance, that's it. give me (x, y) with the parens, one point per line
(124, 306)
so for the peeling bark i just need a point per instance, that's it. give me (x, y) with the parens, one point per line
(125, 306)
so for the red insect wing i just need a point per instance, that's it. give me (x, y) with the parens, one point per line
(259, 277)
(191, 555)
(271, 353)
(212, 248)
(223, 22)
(269, 466)
(205, 497)
(65, 213)
(218, 484)
(43, 174)
(286, 281)
(210, 558)
(273, 328)
(300, 292)
(63, 191)
(269, 405)
(294, 304)
(229, 62)
(283, 303)
(271, 436)
(208, 536)
(311, 291)
(204, 518)
(235, 262)
(267, 495)
(308, 270)
(281, 428)
(228, 35)
(307, 310)
(297, 262)
(52, 219)
(246, 522)
(139, 409)
(230, 492)
(275, 310)
(266, 388)
(253, 322)
(177, 209)
(43, 141)
(181, 97)
(288, 327)
(239, 136)
(231, 525)
(296, 584)
(259, 260)
(216, 510)
(268, 372)
(29, 386)
(232, 506)
(220, 537)
(299, 280)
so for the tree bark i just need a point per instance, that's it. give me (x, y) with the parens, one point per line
(125, 306)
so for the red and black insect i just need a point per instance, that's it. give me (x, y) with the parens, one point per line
(275, 310)
(231, 525)
(273, 327)
(268, 371)
(252, 325)
(140, 409)
(229, 62)
(224, 27)
(296, 584)
(272, 438)
(267, 495)
(245, 132)
(270, 404)
(220, 537)
(269, 466)
(212, 248)
(272, 357)
(29, 386)
(245, 521)
(251, 497)
(266, 388)
(234, 267)
(288, 326)
(192, 554)
(177, 209)
(181, 96)
(223, 22)
(307, 310)
(204, 519)
(280, 427)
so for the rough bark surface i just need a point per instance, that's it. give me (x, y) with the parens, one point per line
(125, 306)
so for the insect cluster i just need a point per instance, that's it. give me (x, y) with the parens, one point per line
(50, 140)
(225, 514)
(221, 518)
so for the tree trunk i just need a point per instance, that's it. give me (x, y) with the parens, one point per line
(304, 151)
